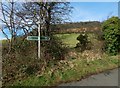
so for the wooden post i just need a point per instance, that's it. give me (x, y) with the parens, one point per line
(39, 27)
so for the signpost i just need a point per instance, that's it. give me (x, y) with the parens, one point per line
(38, 38)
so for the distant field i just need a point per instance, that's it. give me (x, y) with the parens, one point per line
(71, 39)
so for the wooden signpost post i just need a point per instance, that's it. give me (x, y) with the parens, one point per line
(38, 38)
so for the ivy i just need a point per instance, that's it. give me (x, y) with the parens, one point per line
(111, 32)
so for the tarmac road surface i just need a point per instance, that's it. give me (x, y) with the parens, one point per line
(107, 78)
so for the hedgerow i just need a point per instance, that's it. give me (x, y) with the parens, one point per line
(111, 33)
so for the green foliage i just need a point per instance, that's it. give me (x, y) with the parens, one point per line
(83, 42)
(111, 34)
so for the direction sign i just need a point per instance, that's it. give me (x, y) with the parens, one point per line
(41, 38)
(38, 38)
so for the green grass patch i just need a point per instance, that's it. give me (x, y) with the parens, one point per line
(71, 39)
(68, 39)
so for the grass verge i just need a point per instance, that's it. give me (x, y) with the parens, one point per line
(71, 70)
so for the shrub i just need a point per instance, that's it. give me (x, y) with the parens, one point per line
(53, 49)
(83, 42)
(111, 33)
(21, 61)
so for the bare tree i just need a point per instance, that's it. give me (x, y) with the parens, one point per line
(8, 21)
(13, 22)
(54, 13)
(49, 12)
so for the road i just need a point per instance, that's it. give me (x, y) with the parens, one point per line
(107, 78)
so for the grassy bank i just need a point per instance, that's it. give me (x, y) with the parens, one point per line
(69, 70)
(77, 65)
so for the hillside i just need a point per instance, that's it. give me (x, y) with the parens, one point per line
(77, 27)
(91, 26)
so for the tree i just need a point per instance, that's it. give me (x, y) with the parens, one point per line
(49, 12)
(33, 15)
(13, 22)
(111, 32)
(8, 20)
(45, 14)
